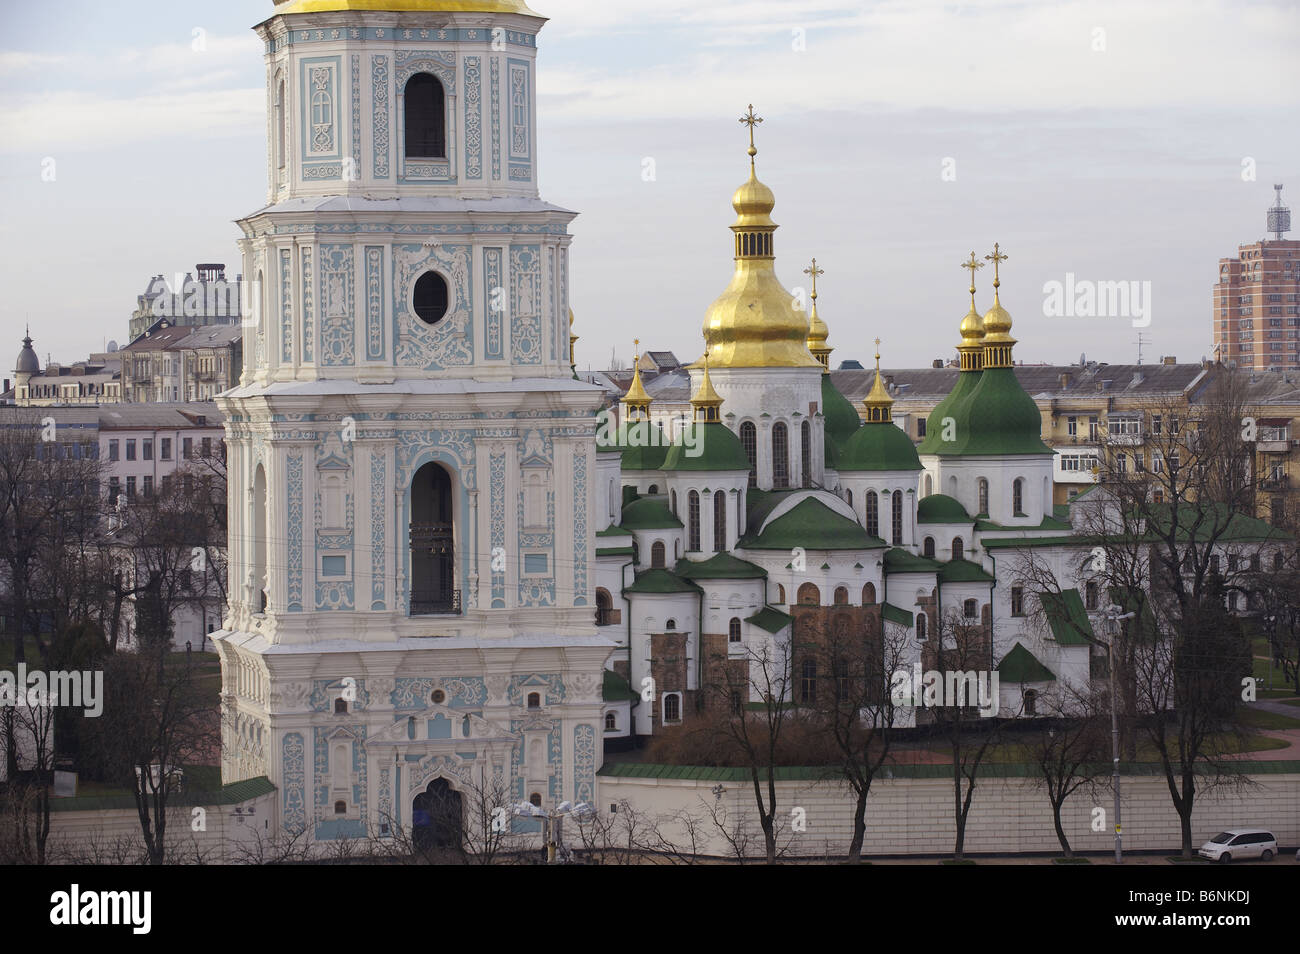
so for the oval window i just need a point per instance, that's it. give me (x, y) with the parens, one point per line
(431, 298)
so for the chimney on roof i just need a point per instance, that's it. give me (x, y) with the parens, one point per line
(937, 363)
(1169, 359)
(1065, 380)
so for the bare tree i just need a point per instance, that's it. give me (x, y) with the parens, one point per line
(1068, 745)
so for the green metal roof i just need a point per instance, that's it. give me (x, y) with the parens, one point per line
(1048, 523)
(770, 619)
(613, 531)
(899, 560)
(1015, 543)
(896, 614)
(940, 508)
(718, 448)
(722, 566)
(878, 446)
(933, 442)
(963, 571)
(999, 418)
(649, 513)
(614, 551)
(616, 688)
(814, 526)
(1067, 618)
(842, 420)
(660, 581)
(1019, 665)
(643, 444)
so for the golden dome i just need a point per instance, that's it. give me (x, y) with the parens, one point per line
(972, 326)
(636, 398)
(817, 330)
(997, 322)
(404, 6)
(878, 403)
(706, 400)
(756, 323)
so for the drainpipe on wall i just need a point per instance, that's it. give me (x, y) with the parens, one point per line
(627, 611)
(992, 587)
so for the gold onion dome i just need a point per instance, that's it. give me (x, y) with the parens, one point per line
(817, 330)
(878, 403)
(405, 6)
(636, 397)
(706, 400)
(997, 322)
(756, 323)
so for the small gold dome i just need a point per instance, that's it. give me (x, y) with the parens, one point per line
(706, 400)
(754, 203)
(879, 405)
(817, 330)
(637, 399)
(405, 6)
(972, 327)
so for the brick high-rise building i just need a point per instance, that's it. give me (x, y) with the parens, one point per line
(1257, 300)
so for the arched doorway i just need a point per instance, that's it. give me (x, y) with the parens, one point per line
(433, 552)
(437, 817)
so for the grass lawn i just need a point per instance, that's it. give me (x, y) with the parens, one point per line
(1259, 719)
(1275, 693)
(1291, 702)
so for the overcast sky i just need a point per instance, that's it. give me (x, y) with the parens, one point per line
(1114, 141)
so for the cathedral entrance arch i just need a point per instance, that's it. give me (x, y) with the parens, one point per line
(437, 817)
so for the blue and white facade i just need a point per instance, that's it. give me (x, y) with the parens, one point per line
(357, 669)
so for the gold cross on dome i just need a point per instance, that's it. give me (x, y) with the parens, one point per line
(814, 271)
(997, 258)
(973, 265)
(877, 355)
(751, 120)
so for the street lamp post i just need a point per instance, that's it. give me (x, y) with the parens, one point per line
(551, 820)
(1113, 616)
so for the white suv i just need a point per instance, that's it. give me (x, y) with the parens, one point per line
(1240, 843)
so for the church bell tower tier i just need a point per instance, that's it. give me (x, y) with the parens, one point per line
(411, 463)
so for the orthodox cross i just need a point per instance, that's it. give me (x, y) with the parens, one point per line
(814, 272)
(997, 258)
(750, 120)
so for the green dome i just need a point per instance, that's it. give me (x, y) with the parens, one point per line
(997, 418)
(878, 446)
(940, 508)
(841, 419)
(934, 443)
(648, 513)
(718, 449)
(644, 446)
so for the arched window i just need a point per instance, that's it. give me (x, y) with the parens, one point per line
(652, 490)
(1090, 596)
(604, 608)
(808, 682)
(1031, 702)
(672, 707)
(340, 808)
(261, 544)
(535, 799)
(849, 498)
(780, 595)
(426, 118)
(971, 609)
(873, 514)
(672, 496)
(733, 630)
(340, 706)
(809, 595)
(658, 554)
(693, 521)
(670, 625)
(280, 138)
(868, 594)
(805, 457)
(780, 456)
(958, 551)
(611, 722)
(983, 496)
(898, 518)
(749, 441)
(929, 485)
(720, 520)
(841, 596)
(1018, 497)
(927, 548)
(534, 700)
(432, 541)
(921, 621)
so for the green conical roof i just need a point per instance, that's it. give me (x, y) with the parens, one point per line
(933, 442)
(841, 419)
(717, 447)
(878, 446)
(997, 418)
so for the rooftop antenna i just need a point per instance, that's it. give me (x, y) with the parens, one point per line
(1142, 340)
(1279, 217)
